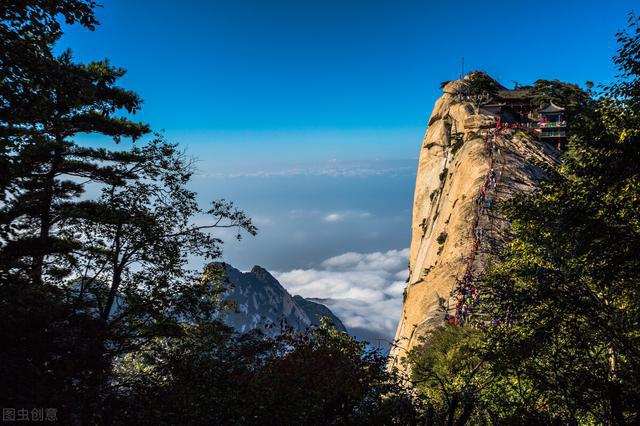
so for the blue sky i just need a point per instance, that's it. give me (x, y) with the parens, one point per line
(209, 68)
(310, 114)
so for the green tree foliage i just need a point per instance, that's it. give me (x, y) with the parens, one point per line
(445, 371)
(343, 383)
(621, 109)
(569, 281)
(85, 279)
(27, 30)
(50, 170)
(212, 376)
(480, 83)
(580, 106)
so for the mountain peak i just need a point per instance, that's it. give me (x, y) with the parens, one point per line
(470, 160)
(263, 303)
(263, 275)
(258, 268)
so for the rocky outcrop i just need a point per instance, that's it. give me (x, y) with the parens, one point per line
(316, 311)
(453, 167)
(262, 303)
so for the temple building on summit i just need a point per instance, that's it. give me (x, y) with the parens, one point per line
(552, 123)
(515, 108)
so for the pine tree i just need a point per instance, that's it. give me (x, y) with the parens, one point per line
(86, 279)
(51, 169)
(27, 31)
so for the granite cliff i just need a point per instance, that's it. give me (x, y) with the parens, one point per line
(455, 229)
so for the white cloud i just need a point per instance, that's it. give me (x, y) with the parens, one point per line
(341, 216)
(363, 289)
(333, 217)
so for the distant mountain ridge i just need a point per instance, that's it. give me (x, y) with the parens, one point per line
(263, 303)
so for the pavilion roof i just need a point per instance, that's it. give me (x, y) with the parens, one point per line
(552, 108)
(515, 94)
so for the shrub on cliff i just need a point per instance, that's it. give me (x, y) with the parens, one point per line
(479, 83)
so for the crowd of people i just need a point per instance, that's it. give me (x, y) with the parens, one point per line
(466, 294)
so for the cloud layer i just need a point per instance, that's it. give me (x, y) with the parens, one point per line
(363, 289)
(329, 170)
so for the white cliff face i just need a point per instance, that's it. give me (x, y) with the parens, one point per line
(452, 168)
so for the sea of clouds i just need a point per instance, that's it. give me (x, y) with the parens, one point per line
(363, 289)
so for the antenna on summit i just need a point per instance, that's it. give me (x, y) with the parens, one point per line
(461, 68)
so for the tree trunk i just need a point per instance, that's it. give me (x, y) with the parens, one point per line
(614, 396)
(94, 381)
(429, 419)
(45, 212)
(451, 413)
(116, 279)
(466, 413)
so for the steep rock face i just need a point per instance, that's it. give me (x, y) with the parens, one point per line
(262, 303)
(316, 310)
(454, 164)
